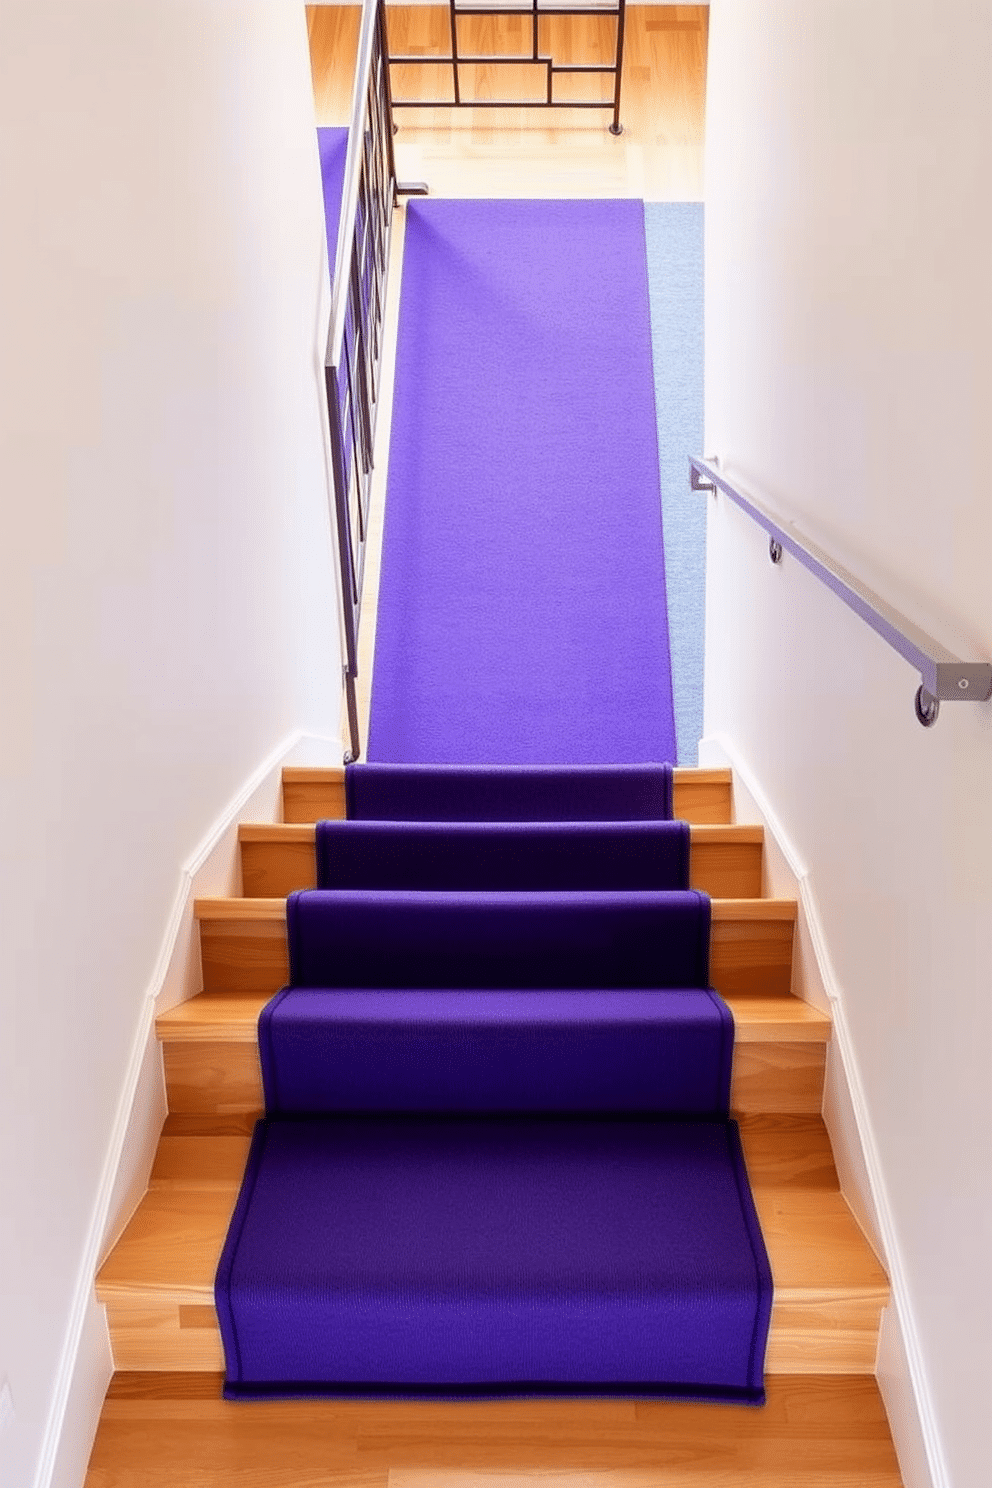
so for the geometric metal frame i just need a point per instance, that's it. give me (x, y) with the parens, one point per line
(552, 69)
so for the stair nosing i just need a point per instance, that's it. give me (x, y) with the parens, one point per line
(234, 1019)
(273, 909)
(166, 1197)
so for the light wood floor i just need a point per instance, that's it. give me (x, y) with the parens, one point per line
(534, 152)
(172, 1431)
(824, 1431)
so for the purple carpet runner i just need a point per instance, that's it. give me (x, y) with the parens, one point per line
(502, 855)
(551, 1001)
(521, 613)
(496, 1157)
(450, 938)
(553, 1050)
(431, 1255)
(501, 794)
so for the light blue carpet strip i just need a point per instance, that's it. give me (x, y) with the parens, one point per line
(674, 232)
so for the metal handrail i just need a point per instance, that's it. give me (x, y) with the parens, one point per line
(356, 331)
(944, 677)
(349, 190)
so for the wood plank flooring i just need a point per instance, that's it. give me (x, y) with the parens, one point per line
(533, 152)
(173, 1431)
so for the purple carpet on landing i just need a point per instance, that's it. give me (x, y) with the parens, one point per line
(522, 615)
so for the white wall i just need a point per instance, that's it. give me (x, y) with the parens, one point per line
(849, 379)
(168, 612)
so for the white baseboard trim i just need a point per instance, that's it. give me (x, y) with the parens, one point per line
(900, 1368)
(85, 1366)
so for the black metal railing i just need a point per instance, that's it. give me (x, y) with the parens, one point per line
(536, 11)
(358, 307)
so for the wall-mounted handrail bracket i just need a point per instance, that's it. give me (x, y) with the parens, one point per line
(927, 707)
(944, 677)
(697, 480)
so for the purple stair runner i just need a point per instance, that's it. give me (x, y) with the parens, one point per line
(450, 939)
(434, 1256)
(553, 1050)
(523, 1022)
(507, 793)
(502, 855)
(521, 613)
(485, 1184)
(497, 1157)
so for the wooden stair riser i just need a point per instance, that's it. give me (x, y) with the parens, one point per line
(311, 795)
(244, 951)
(725, 862)
(154, 1422)
(702, 796)
(243, 946)
(158, 1282)
(225, 1078)
(150, 1334)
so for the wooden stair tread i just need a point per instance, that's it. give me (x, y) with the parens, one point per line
(277, 858)
(173, 1241)
(334, 774)
(732, 832)
(243, 945)
(830, 1431)
(307, 832)
(233, 1018)
(310, 793)
(272, 911)
(781, 1152)
(702, 795)
(313, 775)
(778, 1151)
(781, 1047)
(158, 1280)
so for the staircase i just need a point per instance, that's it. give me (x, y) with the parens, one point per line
(157, 1283)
